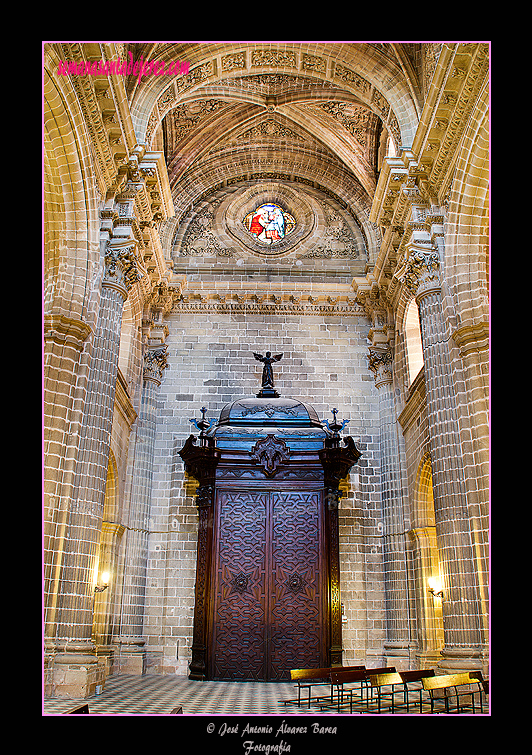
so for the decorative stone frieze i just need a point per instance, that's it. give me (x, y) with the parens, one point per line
(268, 303)
(273, 58)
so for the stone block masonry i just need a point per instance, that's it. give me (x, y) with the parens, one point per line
(210, 363)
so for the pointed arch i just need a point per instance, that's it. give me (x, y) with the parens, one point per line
(71, 239)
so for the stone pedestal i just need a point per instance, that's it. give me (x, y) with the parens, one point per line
(427, 659)
(456, 660)
(129, 656)
(399, 654)
(76, 675)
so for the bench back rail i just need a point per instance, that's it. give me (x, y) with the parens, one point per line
(454, 690)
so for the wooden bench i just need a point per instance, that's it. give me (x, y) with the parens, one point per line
(400, 684)
(454, 690)
(485, 682)
(176, 710)
(413, 683)
(308, 678)
(343, 675)
(84, 708)
(360, 678)
(392, 680)
(340, 679)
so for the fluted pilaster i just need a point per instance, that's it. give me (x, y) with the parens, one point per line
(394, 544)
(131, 639)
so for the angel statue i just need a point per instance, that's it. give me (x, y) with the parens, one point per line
(267, 371)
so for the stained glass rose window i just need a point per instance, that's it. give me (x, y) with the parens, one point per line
(269, 223)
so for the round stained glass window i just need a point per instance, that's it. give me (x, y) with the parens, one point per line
(269, 223)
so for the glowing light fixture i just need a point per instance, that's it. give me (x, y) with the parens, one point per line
(105, 577)
(435, 587)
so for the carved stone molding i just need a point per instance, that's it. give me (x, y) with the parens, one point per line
(62, 329)
(472, 337)
(123, 403)
(416, 402)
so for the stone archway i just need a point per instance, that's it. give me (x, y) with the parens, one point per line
(426, 569)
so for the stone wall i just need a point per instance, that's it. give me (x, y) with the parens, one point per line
(210, 357)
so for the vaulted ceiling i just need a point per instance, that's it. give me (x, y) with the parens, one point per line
(320, 113)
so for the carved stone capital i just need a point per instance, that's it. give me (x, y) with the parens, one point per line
(121, 270)
(380, 363)
(422, 271)
(161, 298)
(155, 361)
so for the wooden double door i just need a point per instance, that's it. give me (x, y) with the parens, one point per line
(269, 584)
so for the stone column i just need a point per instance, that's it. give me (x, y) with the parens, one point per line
(397, 645)
(76, 670)
(461, 605)
(64, 341)
(131, 657)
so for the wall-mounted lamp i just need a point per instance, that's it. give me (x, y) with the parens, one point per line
(105, 582)
(435, 588)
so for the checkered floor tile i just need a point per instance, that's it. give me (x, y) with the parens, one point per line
(126, 695)
(151, 695)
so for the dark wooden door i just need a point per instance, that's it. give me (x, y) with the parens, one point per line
(269, 584)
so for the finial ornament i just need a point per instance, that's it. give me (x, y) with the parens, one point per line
(203, 425)
(334, 426)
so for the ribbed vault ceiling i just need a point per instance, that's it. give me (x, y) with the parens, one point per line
(311, 112)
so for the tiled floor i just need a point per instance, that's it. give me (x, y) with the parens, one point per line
(125, 695)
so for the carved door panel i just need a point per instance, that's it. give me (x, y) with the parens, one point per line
(297, 584)
(269, 583)
(239, 616)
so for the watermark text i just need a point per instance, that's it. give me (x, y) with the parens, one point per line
(119, 67)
